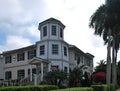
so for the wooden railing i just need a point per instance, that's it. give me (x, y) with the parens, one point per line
(35, 80)
(9, 82)
(24, 81)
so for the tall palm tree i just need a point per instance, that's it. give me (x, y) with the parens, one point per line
(105, 21)
(100, 22)
(114, 11)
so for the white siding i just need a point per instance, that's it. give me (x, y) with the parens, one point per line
(55, 56)
(49, 32)
(51, 36)
(1, 68)
(15, 69)
(41, 32)
(65, 57)
(46, 49)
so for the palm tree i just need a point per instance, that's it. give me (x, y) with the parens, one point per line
(102, 62)
(99, 21)
(101, 66)
(76, 75)
(114, 6)
(105, 21)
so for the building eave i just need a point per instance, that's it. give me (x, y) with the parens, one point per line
(73, 47)
(20, 49)
(51, 20)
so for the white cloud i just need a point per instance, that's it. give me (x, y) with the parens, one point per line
(33, 31)
(13, 42)
(9, 9)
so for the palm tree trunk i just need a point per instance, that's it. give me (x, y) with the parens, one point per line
(114, 70)
(108, 76)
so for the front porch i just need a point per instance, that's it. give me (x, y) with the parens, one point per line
(42, 66)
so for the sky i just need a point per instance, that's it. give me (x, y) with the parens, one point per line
(19, 21)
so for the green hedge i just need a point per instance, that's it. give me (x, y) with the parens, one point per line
(76, 89)
(29, 88)
(103, 87)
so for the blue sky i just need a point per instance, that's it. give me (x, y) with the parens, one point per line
(19, 21)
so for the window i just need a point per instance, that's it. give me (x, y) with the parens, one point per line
(75, 56)
(20, 74)
(8, 75)
(88, 62)
(81, 59)
(8, 59)
(53, 30)
(54, 67)
(78, 57)
(61, 32)
(65, 69)
(42, 50)
(54, 49)
(65, 51)
(20, 57)
(31, 54)
(33, 71)
(44, 31)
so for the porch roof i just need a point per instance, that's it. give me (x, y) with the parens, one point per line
(37, 60)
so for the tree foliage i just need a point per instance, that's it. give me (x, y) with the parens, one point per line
(101, 66)
(76, 77)
(106, 23)
(56, 77)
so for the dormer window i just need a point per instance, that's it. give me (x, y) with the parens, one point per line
(53, 30)
(44, 31)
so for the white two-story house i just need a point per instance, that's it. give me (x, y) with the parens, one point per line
(48, 54)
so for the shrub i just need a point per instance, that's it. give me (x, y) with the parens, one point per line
(113, 87)
(29, 88)
(103, 87)
(76, 89)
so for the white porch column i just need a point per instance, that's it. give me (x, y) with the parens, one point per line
(35, 79)
(49, 67)
(30, 72)
(41, 71)
(68, 70)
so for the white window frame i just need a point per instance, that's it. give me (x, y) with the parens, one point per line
(42, 49)
(54, 30)
(21, 56)
(65, 51)
(8, 59)
(55, 49)
(31, 54)
(44, 31)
